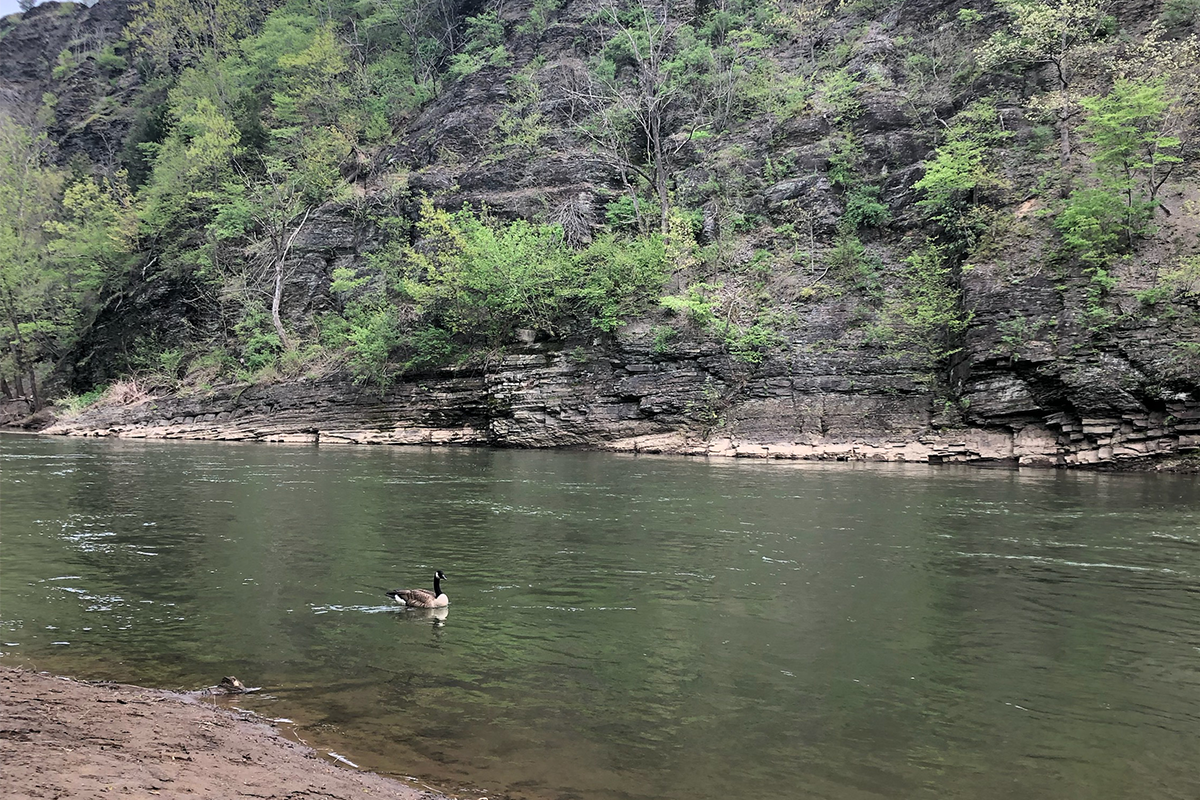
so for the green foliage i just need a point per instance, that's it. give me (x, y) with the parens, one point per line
(701, 305)
(171, 362)
(484, 46)
(697, 304)
(208, 366)
(962, 167)
(470, 280)
(94, 233)
(521, 125)
(539, 17)
(622, 214)
(259, 344)
(479, 278)
(1184, 279)
(1132, 152)
(110, 61)
(662, 338)
(430, 347)
(1015, 334)
(372, 336)
(751, 344)
(840, 90)
(709, 409)
(969, 17)
(1132, 157)
(783, 93)
(63, 238)
(1180, 13)
(1093, 224)
(865, 208)
(71, 405)
(1044, 32)
(845, 155)
(1180, 284)
(64, 65)
(926, 314)
(617, 277)
(849, 259)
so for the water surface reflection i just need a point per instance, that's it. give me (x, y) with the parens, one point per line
(634, 627)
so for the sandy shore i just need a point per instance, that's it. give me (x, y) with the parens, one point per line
(62, 738)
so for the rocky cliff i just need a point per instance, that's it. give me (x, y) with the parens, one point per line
(1046, 370)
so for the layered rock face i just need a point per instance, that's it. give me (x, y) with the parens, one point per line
(1033, 381)
(628, 399)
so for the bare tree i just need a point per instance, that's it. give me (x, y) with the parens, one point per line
(630, 100)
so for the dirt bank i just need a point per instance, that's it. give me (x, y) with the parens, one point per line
(61, 738)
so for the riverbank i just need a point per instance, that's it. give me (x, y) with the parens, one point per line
(63, 738)
(469, 413)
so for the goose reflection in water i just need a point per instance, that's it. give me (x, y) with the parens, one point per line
(436, 616)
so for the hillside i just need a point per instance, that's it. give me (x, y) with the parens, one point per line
(872, 229)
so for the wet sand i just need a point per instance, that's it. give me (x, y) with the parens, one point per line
(63, 738)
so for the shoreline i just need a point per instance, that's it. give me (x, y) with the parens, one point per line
(633, 403)
(61, 737)
(556, 406)
(980, 448)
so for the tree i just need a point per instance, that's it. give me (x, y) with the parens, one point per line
(630, 93)
(171, 32)
(1134, 153)
(1049, 33)
(60, 244)
(27, 202)
(962, 167)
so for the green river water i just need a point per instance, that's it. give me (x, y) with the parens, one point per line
(632, 627)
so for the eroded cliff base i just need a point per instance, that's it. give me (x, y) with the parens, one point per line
(684, 406)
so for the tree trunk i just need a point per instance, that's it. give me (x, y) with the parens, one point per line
(277, 298)
(18, 350)
(284, 341)
(660, 172)
(1064, 106)
(1064, 135)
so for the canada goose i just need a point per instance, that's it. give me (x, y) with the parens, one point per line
(420, 598)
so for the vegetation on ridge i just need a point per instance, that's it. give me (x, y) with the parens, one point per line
(747, 176)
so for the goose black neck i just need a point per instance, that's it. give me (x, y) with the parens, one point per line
(437, 586)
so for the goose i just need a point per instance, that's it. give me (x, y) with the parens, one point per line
(422, 598)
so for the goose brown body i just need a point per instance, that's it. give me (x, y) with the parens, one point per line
(422, 598)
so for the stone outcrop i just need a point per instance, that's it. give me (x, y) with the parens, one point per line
(695, 403)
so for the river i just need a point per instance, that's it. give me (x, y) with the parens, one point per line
(630, 628)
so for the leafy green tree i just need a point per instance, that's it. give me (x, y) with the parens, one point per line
(483, 47)
(962, 168)
(927, 313)
(1133, 154)
(186, 31)
(1094, 224)
(196, 157)
(479, 278)
(1134, 150)
(27, 202)
(61, 243)
(632, 88)
(1049, 33)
